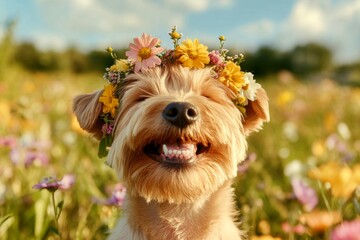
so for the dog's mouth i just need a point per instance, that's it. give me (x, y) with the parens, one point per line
(175, 154)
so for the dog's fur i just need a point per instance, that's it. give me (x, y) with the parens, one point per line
(186, 201)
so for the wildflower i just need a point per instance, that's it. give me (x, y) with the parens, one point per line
(264, 237)
(222, 38)
(36, 156)
(319, 221)
(347, 231)
(215, 58)
(107, 128)
(120, 66)
(304, 194)
(244, 166)
(52, 184)
(175, 35)
(294, 169)
(117, 197)
(143, 52)
(343, 179)
(249, 87)
(109, 101)
(8, 141)
(109, 49)
(232, 76)
(192, 54)
(298, 229)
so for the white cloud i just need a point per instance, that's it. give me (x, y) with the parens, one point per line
(333, 23)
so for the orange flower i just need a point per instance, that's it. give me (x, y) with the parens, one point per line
(232, 76)
(319, 221)
(264, 237)
(110, 103)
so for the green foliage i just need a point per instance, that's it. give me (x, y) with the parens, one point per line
(302, 60)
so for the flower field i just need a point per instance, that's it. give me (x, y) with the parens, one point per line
(300, 181)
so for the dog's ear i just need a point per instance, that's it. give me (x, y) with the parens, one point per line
(87, 109)
(257, 112)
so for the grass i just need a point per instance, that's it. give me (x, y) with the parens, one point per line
(312, 122)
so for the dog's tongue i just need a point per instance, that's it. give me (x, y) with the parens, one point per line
(183, 152)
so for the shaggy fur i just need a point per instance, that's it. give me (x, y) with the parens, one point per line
(176, 201)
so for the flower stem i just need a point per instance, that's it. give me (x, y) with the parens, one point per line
(55, 213)
(324, 197)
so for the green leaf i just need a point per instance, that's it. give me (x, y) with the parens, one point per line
(102, 148)
(60, 207)
(54, 230)
(4, 219)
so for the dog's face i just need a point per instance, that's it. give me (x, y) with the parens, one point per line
(178, 134)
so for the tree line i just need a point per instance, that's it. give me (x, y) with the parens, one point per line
(302, 60)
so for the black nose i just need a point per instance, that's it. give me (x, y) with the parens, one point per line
(180, 114)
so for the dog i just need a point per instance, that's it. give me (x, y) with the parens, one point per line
(178, 140)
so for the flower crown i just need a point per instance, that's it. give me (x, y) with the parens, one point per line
(146, 53)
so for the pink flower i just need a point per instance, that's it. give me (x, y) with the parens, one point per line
(107, 128)
(8, 141)
(143, 52)
(52, 184)
(298, 229)
(347, 231)
(215, 58)
(304, 194)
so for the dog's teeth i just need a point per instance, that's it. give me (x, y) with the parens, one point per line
(170, 152)
(165, 150)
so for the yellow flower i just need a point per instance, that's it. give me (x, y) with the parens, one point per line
(343, 179)
(175, 35)
(222, 38)
(192, 54)
(264, 237)
(319, 221)
(232, 76)
(120, 66)
(110, 103)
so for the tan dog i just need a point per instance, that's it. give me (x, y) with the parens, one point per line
(177, 143)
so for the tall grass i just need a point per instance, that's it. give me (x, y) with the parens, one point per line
(40, 137)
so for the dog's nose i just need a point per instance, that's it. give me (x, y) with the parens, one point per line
(180, 114)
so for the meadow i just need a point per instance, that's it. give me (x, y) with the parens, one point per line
(300, 181)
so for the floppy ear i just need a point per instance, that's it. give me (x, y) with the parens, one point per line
(257, 112)
(87, 109)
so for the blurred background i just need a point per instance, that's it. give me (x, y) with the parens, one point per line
(305, 53)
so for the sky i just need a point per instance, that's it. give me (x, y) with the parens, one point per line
(247, 25)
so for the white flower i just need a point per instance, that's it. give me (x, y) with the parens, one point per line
(250, 87)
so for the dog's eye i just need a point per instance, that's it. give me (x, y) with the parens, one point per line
(141, 98)
(206, 96)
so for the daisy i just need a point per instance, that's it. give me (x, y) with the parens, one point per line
(143, 52)
(249, 87)
(52, 183)
(192, 54)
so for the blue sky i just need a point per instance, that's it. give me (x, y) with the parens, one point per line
(247, 25)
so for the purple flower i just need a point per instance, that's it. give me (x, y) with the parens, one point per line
(52, 184)
(244, 166)
(32, 156)
(107, 128)
(117, 197)
(304, 194)
(347, 231)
